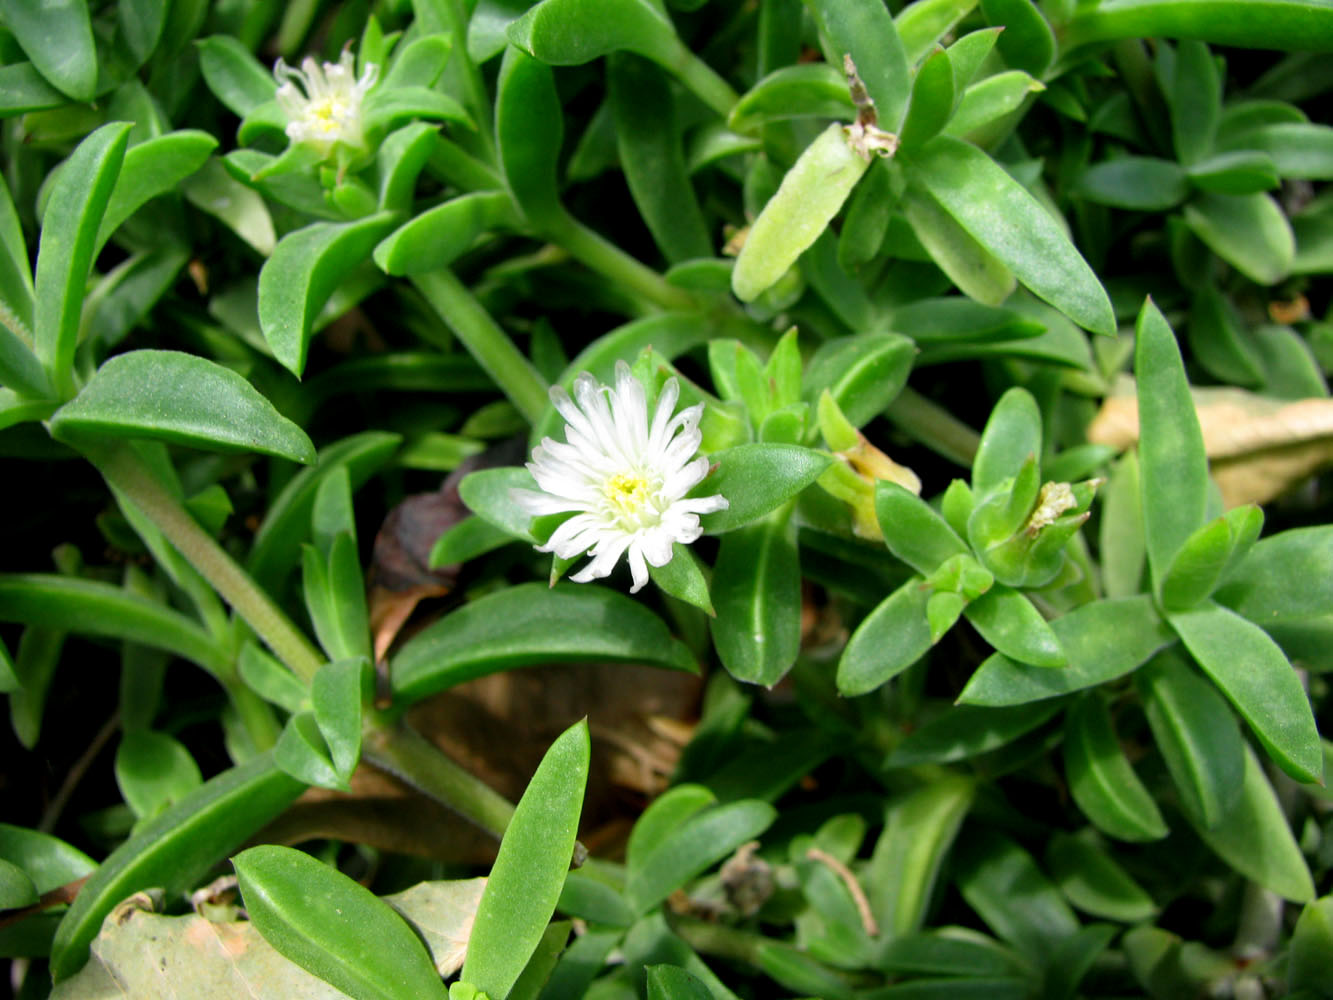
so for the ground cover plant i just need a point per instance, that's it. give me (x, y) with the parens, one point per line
(716, 499)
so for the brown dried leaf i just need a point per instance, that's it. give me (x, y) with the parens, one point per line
(1258, 447)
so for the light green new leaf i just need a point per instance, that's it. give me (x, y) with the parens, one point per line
(181, 398)
(333, 927)
(996, 211)
(530, 869)
(864, 30)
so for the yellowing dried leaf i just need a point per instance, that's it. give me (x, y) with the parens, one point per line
(1258, 447)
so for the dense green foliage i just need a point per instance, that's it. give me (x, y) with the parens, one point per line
(1002, 328)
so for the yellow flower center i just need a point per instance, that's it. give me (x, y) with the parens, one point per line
(328, 114)
(629, 496)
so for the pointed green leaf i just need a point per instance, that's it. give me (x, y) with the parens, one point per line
(183, 399)
(757, 593)
(151, 168)
(703, 840)
(1173, 476)
(1255, 839)
(1248, 231)
(335, 694)
(173, 850)
(234, 75)
(1027, 42)
(79, 196)
(757, 479)
(1008, 222)
(302, 753)
(933, 100)
(1008, 621)
(888, 641)
(1310, 955)
(530, 869)
(438, 236)
(1091, 879)
(305, 269)
(1103, 640)
(1259, 681)
(1010, 893)
(57, 36)
(528, 625)
(864, 30)
(807, 90)
(919, 831)
(1101, 779)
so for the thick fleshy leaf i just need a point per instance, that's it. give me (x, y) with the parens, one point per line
(1027, 42)
(757, 593)
(966, 731)
(1091, 879)
(888, 641)
(154, 771)
(1255, 839)
(653, 159)
(278, 541)
(1012, 436)
(703, 840)
(1138, 183)
(529, 871)
(305, 269)
(757, 479)
(1262, 24)
(1247, 231)
(180, 398)
(333, 927)
(1008, 621)
(1258, 679)
(1207, 555)
(863, 374)
(1173, 474)
(1194, 98)
(336, 694)
(976, 271)
(234, 75)
(1101, 779)
(58, 38)
(153, 168)
(864, 30)
(47, 860)
(1008, 891)
(174, 849)
(53, 601)
(438, 236)
(531, 624)
(1007, 221)
(807, 90)
(1310, 955)
(919, 831)
(913, 531)
(79, 197)
(932, 102)
(1196, 735)
(1103, 640)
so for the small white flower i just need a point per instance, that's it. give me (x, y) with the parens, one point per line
(325, 109)
(624, 480)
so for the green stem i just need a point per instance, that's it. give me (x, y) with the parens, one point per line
(456, 12)
(608, 259)
(485, 341)
(256, 715)
(706, 85)
(934, 426)
(125, 471)
(453, 164)
(406, 754)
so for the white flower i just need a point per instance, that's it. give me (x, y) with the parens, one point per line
(624, 480)
(326, 108)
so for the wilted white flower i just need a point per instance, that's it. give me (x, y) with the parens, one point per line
(325, 109)
(624, 480)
